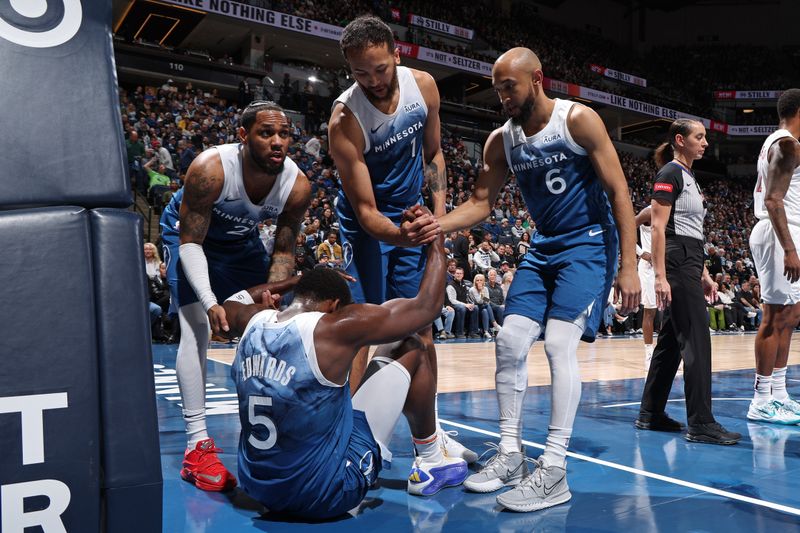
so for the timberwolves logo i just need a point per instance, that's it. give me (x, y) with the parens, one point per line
(347, 255)
(40, 23)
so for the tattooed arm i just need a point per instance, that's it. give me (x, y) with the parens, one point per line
(435, 169)
(282, 266)
(203, 186)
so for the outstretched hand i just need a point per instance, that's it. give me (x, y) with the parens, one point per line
(419, 226)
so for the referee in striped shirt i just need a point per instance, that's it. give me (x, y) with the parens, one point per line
(678, 210)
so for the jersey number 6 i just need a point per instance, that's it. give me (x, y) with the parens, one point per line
(261, 420)
(555, 184)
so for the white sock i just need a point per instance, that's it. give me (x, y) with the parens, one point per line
(436, 412)
(779, 384)
(648, 355)
(428, 449)
(195, 427)
(510, 435)
(762, 388)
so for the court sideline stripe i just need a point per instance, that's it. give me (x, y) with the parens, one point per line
(636, 471)
(749, 398)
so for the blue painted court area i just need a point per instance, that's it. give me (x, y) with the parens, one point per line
(621, 479)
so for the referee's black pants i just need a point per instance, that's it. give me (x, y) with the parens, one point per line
(683, 333)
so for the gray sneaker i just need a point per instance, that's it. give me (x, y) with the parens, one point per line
(502, 470)
(546, 487)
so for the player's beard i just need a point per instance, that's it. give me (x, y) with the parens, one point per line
(266, 165)
(525, 111)
(393, 85)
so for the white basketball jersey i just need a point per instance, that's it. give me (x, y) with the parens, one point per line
(645, 237)
(791, 201)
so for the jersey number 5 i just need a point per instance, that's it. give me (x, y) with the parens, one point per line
(261, 420)
(555, 184)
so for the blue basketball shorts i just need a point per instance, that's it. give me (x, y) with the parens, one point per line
(382, 272)
(358, 473)
(231, 267)
(565, 276)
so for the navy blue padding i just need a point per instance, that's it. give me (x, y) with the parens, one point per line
(61, 131)
(131, 453)
(133, 509)
(49, 346)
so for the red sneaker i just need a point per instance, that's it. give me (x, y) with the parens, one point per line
(202, 467)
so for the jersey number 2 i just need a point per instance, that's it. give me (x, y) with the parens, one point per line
(261, 420)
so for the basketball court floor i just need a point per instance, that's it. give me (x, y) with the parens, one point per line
(621, 479)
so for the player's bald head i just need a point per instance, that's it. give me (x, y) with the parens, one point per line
(519, 61)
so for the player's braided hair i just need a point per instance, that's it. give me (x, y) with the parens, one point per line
(254, 108)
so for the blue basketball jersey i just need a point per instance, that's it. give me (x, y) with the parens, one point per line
(296, 425)
(234, 217)
(556, 177)
(392, 148)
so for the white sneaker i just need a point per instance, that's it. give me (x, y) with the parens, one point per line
(502, 470)
(453, 448)
(546, 487)
(790, 405)
(772, 411)
(426, 479)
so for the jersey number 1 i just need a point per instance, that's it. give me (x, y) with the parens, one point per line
(261, 420)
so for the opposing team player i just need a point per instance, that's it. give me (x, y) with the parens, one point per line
(567, 170)
(647, 279)
(212, 249)
(385, 140)
(773, 243)
(306, 448)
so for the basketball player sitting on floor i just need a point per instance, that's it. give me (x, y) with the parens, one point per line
(306, 448)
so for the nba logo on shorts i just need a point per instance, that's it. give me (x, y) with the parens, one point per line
(41, 11)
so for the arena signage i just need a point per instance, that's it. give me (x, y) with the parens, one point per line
(18, 516)
(264, 16)
(452, 60)
(747, 95)
(442, 27)
(617, 75)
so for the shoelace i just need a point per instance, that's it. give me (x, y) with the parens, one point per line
(537, 477)
(781, 408)
(210, 447)
(492, 447)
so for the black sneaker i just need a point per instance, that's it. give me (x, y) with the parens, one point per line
(661, 422)
(712, 433)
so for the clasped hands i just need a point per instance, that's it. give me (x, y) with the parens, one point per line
(419, 226)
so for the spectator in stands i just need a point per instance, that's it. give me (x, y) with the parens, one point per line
(158, 181)
(751, 305)
(163, 155)
(714, 262)
(151, 260)
(478, 295)
(331, 249)
(523, 245)
(716, 310)
(497, 298)
(135, 151)
(444, 323)
(482, 259)
(461, 250)
(457, 297)
(303, 261)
